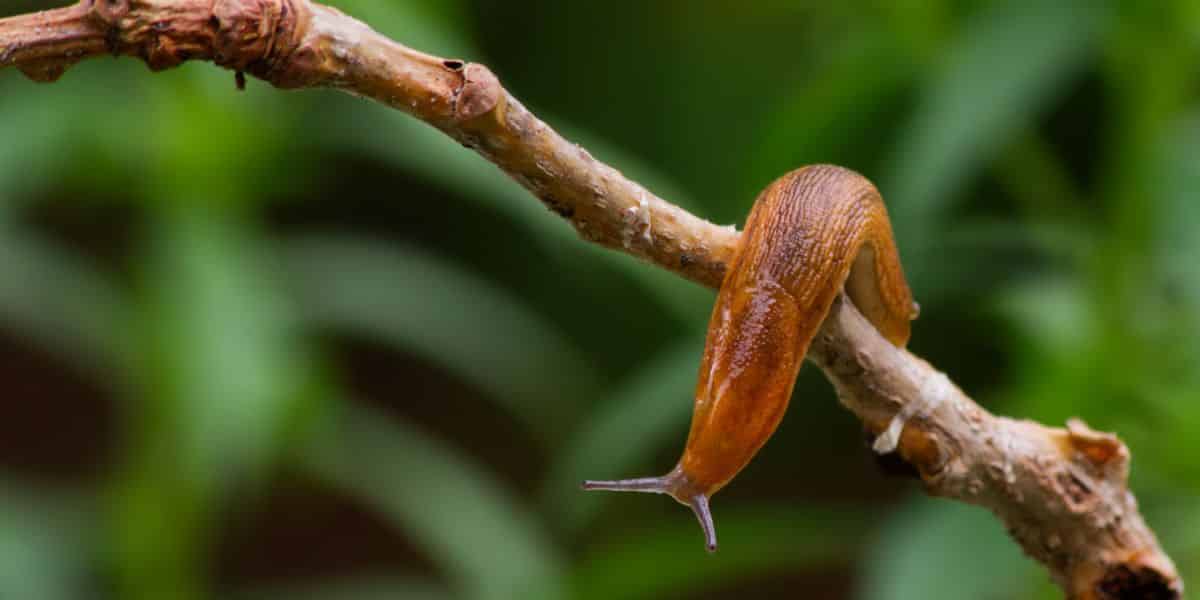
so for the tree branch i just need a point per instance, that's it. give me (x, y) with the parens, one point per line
(1062, 493)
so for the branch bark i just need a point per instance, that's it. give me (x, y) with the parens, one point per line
(1061, 492)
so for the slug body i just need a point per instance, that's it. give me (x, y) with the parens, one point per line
(812, 233)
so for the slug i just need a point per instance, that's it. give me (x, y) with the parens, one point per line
(811, 234)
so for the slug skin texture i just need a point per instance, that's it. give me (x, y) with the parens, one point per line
(812, 233)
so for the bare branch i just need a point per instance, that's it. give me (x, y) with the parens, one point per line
(1062, 493)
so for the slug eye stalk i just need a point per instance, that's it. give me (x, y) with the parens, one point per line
(672, 484)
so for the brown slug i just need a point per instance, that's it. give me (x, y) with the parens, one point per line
(812, 233)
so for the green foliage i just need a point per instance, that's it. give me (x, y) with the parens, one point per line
(227, 270)
(760, 541)
(42, 551)
(983, 563)
(430, 308)
(490, 547)
(644, 413)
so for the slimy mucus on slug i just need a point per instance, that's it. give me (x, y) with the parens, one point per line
(811, 234)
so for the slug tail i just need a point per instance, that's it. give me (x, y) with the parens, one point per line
(675, 484)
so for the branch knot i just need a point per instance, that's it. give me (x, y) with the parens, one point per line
(480, 91)
(259, 37)
(110, 11)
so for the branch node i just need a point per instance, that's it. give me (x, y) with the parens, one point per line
(935, 388)
(638, 223)
(480, 91)
(260, 37)
(1104, 451)
(43, 71)
(110, 12)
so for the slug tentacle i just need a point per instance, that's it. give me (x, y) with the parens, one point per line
(699, 504)
(649, 485)
(675, 484)
(812, 233)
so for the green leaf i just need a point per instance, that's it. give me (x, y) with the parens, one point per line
(45, 540)
(756, 541)
(224, 346)
(1178, 177)
(413, 146)
(378, 587)
(44, 128)
(433, 26)
(24, 166)
(489, 546)
(1038, 180)
(403, 296)
(648, 410)
(1169, 312)
(60, 300)
(935, 549)
(207, 143)
(1177, 523)
(1004, 69)
(997, 243)
(830, 115)
(1052, 311)
(220, 371)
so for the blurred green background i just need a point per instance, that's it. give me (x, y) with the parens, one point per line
(294, 345)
